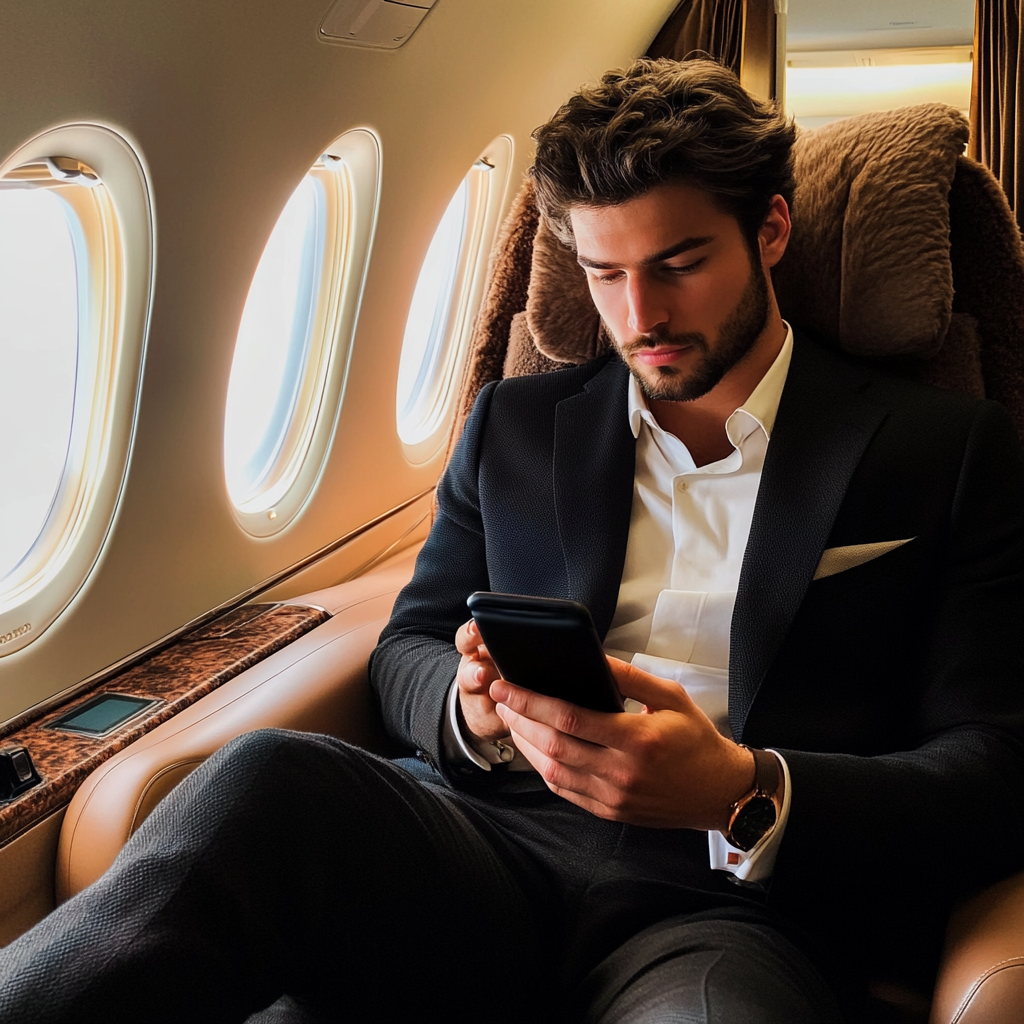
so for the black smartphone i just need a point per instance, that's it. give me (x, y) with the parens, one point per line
(548, 646)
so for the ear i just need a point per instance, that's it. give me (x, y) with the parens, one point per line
(773, 235)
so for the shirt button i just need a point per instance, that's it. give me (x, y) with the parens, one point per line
(682, 485)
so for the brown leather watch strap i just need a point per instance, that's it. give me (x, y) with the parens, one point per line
(766, 770)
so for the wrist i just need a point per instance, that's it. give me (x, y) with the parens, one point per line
(740, 776)
(480, 730)
(755, 814)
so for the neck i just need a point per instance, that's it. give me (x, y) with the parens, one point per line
(700, 424)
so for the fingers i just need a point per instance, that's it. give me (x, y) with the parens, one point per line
(595, 726)
(467, 638)
(560, 747)
(476, 670)
(575, 784)
(476, 674)
(657, 694)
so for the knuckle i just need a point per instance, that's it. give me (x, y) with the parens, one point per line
(618, 801)
(568, 721)
(554, 747)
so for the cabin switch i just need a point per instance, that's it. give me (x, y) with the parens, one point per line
(17, 772)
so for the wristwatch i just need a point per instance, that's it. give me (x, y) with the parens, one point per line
(754, 815)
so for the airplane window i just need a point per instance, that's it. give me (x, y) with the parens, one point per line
(444, 301)
(422, 347)
(40, 269)
(290, 357)
(76, 279)
(273, 349)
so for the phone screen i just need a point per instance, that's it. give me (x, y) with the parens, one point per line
(548, 646)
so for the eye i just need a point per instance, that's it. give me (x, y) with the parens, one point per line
(686, 268)
(611, 278)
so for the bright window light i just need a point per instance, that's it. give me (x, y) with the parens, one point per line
(833, 92)
(422, 371)
(76, 279)
(272, 352)
(295, 335)
(42, 272)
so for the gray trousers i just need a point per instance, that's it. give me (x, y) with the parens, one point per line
(294, 878)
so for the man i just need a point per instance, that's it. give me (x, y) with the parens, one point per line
(887, 689)
(689, 492)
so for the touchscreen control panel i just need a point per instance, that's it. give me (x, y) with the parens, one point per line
(103, 714)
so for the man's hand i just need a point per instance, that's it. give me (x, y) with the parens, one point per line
(668, 767)
(476, 674)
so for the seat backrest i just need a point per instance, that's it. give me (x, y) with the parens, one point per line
(903, 250)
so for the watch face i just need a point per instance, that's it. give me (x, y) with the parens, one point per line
(754, 819)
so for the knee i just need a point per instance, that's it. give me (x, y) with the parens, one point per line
(271, 767)
(261, 745)
(284, 758)
(272, 780)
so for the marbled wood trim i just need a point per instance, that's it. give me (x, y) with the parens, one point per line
(179, 675)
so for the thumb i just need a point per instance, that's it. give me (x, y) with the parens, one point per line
(658, 694)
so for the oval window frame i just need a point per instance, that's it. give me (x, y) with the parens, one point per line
(71, 541)
(351, 224)
(488, 179)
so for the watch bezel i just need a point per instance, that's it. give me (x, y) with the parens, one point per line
(748, 827)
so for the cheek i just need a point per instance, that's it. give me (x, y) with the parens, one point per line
(722, 295)
(610, 304)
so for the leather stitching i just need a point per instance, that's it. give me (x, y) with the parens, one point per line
(1002, 965)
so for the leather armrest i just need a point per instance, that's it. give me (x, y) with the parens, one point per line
(317, 683)
(981, 980)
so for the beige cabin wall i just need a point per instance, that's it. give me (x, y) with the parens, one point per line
(229, 104)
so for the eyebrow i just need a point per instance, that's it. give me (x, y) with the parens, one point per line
(659, 257)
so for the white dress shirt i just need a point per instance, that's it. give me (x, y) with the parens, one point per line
(687, 534)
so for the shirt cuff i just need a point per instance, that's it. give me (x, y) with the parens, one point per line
(457, 748)
(755, 865)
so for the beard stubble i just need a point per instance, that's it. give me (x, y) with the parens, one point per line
(736, 338)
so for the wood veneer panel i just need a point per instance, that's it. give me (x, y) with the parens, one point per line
(178, 675)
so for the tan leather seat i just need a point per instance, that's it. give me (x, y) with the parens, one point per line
(318, 683)
(981, 980)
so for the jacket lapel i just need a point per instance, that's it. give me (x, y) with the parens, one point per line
(822, 429)
(594, 455)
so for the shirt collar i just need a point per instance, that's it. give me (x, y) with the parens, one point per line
(760, 408)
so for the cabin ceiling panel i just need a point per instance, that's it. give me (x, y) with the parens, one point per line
(230, 103)
(878, 24)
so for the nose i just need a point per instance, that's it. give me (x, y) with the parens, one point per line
(647, 308)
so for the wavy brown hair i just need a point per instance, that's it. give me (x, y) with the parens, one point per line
(658, 122)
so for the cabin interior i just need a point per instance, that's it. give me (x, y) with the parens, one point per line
(248, 259)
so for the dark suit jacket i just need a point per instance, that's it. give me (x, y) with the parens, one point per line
(895, 690)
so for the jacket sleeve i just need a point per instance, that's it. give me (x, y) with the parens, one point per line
(415, 661)
(901, 835)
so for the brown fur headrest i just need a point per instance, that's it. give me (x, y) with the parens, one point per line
(867, 268)
(559, 312)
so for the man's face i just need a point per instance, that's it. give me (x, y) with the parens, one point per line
(673, 280)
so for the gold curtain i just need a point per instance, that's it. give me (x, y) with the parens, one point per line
(700, 28)
(997, 95)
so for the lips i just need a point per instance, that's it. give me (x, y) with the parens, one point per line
(660, 356)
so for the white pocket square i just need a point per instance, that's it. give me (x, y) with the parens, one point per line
(835, 560)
